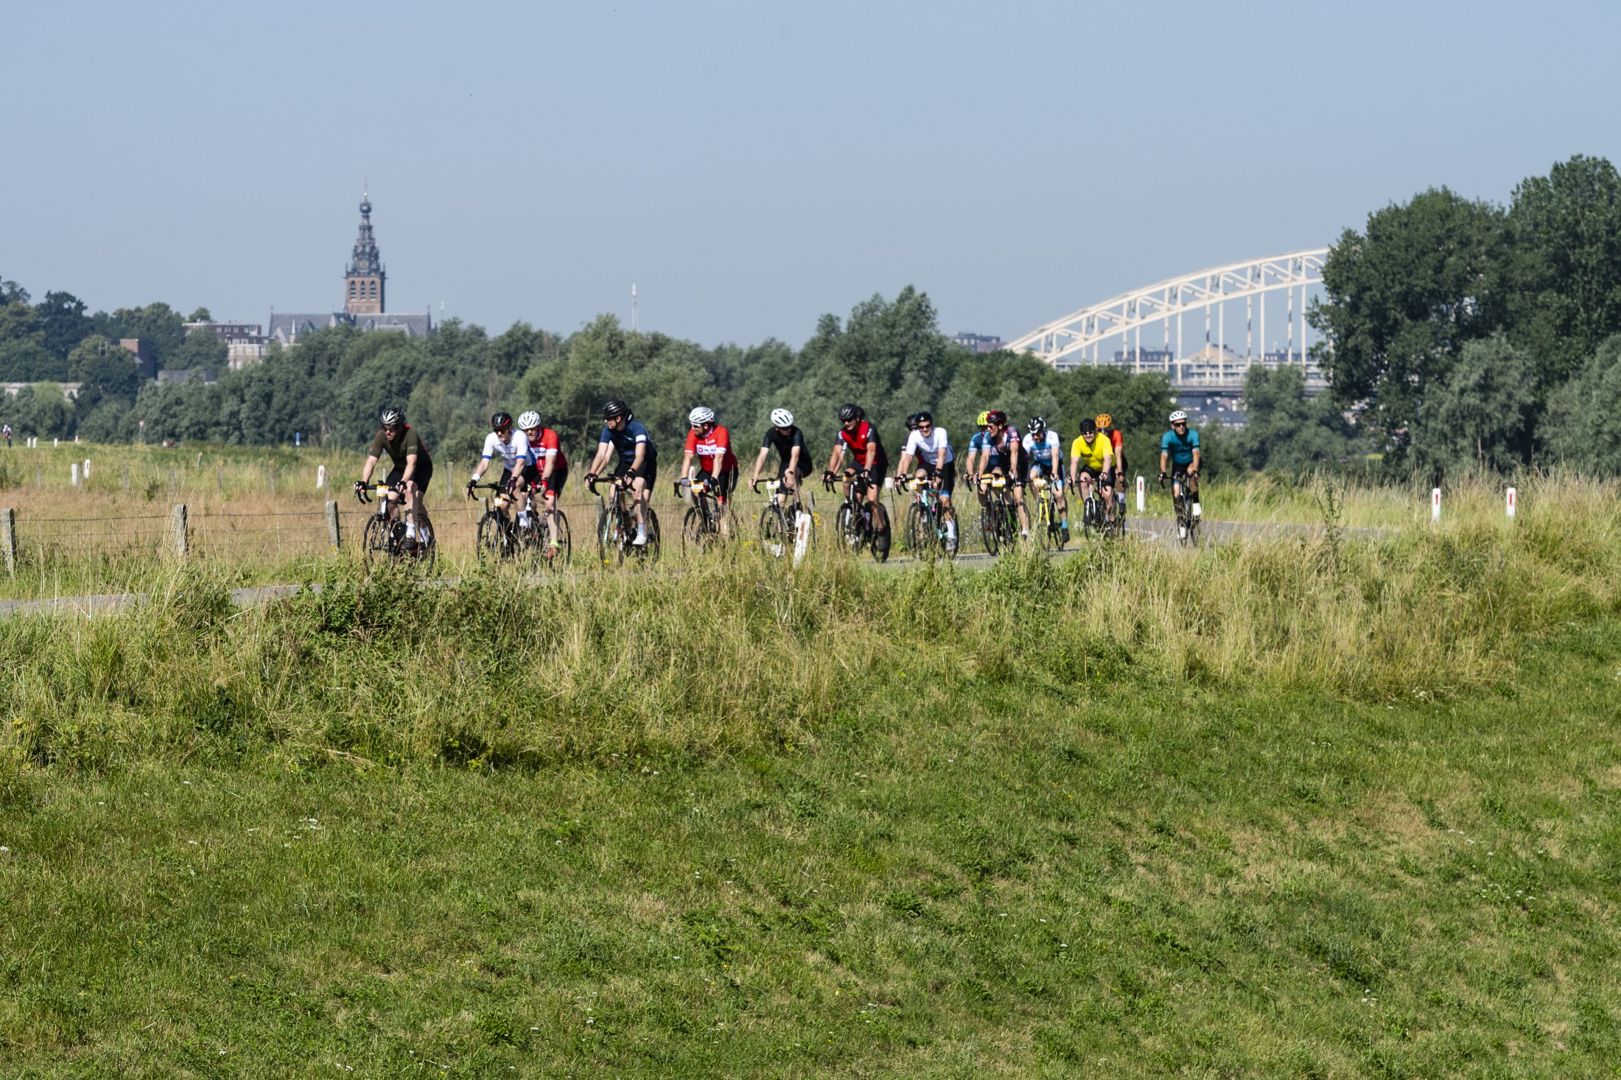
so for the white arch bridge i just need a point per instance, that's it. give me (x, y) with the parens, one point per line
(1213, 363)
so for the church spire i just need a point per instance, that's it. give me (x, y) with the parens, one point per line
(363, 281)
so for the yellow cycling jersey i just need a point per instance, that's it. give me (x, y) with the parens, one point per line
(1091, 455)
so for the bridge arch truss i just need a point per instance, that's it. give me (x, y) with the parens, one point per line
(1077, 339)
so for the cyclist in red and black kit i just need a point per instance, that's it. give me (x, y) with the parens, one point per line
(546, 471)
(860, 438)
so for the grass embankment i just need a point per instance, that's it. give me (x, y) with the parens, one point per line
(1305, 807)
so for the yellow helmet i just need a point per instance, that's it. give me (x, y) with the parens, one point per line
(1104, 420)
(983, 419)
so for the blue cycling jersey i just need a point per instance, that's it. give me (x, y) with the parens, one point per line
(1179, 447)
(626, 439)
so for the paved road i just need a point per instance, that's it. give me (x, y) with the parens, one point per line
(1148, 528)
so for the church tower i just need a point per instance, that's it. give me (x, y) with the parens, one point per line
(363, 281)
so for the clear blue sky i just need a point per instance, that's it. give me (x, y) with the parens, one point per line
(752, 165)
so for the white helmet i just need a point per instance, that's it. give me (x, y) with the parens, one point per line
(701, 415)
(1180, 414)
(530, 419)
(782, 418)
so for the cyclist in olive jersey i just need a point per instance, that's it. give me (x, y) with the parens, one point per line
(411, 474)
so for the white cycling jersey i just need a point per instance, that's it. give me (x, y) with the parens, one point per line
(1050, 451)
(928, 449)
(514, 453)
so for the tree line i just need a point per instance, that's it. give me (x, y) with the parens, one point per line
(1455, 333)
(887, 355)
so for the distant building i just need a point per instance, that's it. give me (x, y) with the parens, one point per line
(364, 297)
(185, 375)
(980, 343)
(245, 343)
(146, 361)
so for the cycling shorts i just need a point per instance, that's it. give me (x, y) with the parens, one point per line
(648, 473)
(552, 487)
(421, 478)
(944, 476)
(721, 485)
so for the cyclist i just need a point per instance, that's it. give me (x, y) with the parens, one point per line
(793, 456)
(976, 443)
(411, 474)
(6, 432)
(711, 444)
(513, 449)
(1117, 438)
(638, 459)
(1179, 449)
(935, 461)
(1043, 455)
(1001, 454)
(546, 472)
(1091, 460)
(860, 438)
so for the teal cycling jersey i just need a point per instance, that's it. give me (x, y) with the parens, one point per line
(1180, 448)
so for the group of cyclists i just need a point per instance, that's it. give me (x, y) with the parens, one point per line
(534, 468)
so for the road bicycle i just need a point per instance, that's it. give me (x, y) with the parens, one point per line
(549, 550)
(781, 522)
(998, 518)
(384, 536)
(1189, 511)
(700, 526)
(927, 517)
(1049, 525)
(499, 537)
(616, 525)
(861, 524)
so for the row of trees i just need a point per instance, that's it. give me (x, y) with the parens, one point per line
(1456, 332)
(888, 355)
(1467, 332)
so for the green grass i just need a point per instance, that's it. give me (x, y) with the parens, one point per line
(1304, 807)
(1131, 876)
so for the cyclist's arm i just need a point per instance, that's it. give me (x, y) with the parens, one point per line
(641, 455)
(836, 458)
(410, 468)
(604, 449)
(872, 454)
(1164, 460)
(686, 466)
(366, 471)
(1194, 468)
(1075, 469)
(759, 463)
(547, 463)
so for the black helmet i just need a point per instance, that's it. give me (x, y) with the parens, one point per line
(924, 417)
(911, 421)
(1089, 427)
(501, 421)
(850, 412)
(393, 416)
(1037, 426)
(614, 409)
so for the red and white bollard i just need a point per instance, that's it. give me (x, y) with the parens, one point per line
(1142, 494)
(1435, 504)
(1512, 499)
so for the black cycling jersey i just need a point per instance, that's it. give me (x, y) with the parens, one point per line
(783, 443)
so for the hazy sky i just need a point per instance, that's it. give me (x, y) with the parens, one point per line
(752, 165)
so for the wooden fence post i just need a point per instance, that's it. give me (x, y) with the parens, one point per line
(177, 529)
(332, 523)
(8, 538)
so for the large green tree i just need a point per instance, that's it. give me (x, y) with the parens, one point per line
(1483, 411)
(63, 322)
(1287, 431)
(1404, 297)
(1564, 233)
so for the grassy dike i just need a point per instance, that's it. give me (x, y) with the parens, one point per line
(1311, 808)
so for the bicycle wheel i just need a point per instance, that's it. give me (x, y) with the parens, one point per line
(1045, 525)
(990, 528)
(374, 540)
(948, 538)
(849, 528)
(918, 531)
(492, 539)
(880, 532)
(775, 534)
(649, 551)
(698, 530)
(554, 550)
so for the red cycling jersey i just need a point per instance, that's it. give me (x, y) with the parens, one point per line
(858, 440)
(548, 446)
(714, 450)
